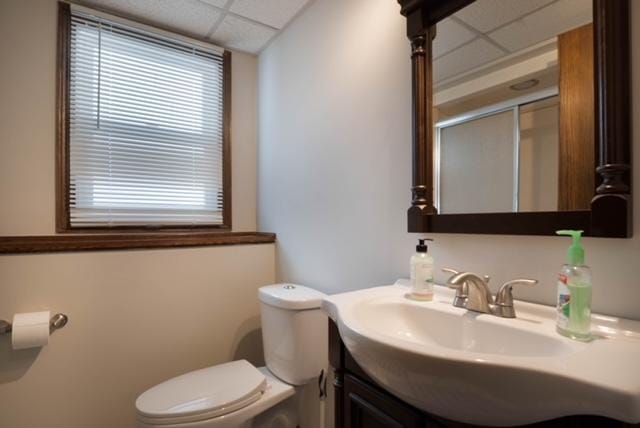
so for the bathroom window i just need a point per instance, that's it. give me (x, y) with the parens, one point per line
(143, 141)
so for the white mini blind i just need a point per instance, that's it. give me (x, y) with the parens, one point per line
(145, 128)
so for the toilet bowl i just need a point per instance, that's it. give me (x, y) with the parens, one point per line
(237, 394)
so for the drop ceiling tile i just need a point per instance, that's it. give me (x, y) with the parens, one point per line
(466, 58)
(188, 16)
(237, 33)
(218, 3)
(450, 35)
(544, 24)
(486, 15)
(275, 13)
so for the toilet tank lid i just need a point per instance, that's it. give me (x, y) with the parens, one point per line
(290, 296)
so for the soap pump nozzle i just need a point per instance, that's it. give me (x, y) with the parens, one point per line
(575, 254)
(422, 247)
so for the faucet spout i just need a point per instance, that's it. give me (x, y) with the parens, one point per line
(473, 294)
(479, 298)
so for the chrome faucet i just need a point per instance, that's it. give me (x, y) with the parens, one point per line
(462, 289)
(473, 294)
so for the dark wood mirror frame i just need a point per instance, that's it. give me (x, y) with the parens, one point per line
(611, 207)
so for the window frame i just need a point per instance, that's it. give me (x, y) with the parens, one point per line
(62, 194)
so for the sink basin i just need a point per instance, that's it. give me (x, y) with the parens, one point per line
(413, 323)
(485, 370)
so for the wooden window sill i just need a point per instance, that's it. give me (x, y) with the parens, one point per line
(128, 241)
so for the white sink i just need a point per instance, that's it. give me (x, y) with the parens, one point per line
(481, 369)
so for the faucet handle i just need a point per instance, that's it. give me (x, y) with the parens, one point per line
(504, 298)
(451, 271)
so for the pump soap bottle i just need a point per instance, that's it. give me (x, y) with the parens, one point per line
(574, 292)
(421, 273)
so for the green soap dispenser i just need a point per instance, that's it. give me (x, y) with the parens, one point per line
(574, 292)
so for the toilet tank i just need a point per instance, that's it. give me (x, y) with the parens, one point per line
(294, 332)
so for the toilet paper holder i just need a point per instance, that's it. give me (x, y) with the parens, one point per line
(57, 322)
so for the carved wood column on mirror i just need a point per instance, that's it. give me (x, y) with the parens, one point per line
(605, 186)
(611, 207)
(422, 131)
(422, 16)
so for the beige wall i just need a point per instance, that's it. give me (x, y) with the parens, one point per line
(136, 317)
(335, 166)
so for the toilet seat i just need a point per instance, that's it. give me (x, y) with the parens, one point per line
(202, 394)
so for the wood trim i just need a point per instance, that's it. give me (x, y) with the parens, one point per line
(388, 410)
(422, 132)
(336, 360)
(66, 243)
(612, 204)
(422, 15)
(432, 11)
(610, 213)
(336, 355)
(62, 118)
(63, 223)
(537, 223)
(612, 43)
(577, 148)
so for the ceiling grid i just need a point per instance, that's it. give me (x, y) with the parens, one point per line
(489, 30)
(244, 25)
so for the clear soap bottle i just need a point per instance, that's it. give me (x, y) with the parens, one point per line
(574, 292)
(422, 273)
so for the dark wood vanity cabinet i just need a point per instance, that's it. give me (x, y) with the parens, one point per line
(361, 403)
(368, 406)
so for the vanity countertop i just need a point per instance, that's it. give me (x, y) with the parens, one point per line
(506, 371)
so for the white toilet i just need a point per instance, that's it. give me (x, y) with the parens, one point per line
(237, 394)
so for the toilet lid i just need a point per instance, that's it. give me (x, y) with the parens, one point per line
(202, 394)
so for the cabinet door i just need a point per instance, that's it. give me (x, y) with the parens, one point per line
(368, 407)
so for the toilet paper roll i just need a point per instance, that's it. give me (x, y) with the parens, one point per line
(30, 330)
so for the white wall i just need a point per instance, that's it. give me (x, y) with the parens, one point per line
(136, 317)
(335, 166)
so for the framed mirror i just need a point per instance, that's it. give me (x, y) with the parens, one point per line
(521, 116)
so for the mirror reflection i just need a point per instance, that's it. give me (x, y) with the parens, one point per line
(514, 107)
